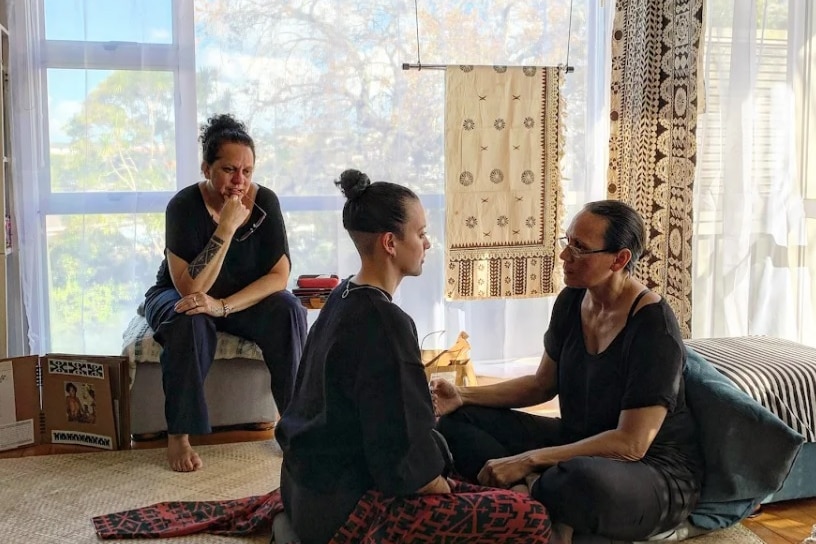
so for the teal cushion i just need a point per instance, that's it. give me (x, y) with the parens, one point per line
(748, 451)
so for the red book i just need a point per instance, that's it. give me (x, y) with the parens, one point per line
(318, 281)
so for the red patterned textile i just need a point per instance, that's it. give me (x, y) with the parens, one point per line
(245, 516)
(473, 514)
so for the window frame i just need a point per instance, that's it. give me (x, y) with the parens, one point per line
(177, 57)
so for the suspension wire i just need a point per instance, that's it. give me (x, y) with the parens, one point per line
(569, 36)
(419, 66)
(416, 16)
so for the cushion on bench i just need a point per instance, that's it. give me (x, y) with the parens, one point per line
(238, 372)
(140, 347)
(779, 374)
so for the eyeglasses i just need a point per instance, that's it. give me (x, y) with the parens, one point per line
(254, 226)
(577, 252)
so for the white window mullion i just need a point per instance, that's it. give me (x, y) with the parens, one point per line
(109, 55)
(802, 61)
(187, 162)
(107, 202)
(803, 26)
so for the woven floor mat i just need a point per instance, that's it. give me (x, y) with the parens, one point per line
(52, 498)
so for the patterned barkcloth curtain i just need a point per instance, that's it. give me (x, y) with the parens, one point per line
(504, 206)
(652, 145)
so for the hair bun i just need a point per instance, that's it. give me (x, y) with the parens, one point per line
(353, 183)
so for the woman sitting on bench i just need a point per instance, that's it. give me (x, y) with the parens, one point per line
(226, 267)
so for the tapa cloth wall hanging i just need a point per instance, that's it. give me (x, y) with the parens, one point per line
(504, 204)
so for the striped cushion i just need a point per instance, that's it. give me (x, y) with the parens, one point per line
(779, 374)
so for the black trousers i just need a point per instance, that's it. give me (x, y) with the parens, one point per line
(593, 495)
(277, 324)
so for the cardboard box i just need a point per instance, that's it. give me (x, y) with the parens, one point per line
(64, 399)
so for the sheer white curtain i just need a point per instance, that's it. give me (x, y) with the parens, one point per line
(520, 324)
(28, 156)
(109, 95)
(103, 110)
(753, 264)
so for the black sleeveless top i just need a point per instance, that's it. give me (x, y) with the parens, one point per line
(642, 366)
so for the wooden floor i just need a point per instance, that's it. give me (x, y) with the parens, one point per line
(788, 522)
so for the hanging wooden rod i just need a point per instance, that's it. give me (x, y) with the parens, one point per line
(409, 66)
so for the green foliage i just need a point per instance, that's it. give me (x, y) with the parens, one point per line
(100, 266)
(322, 87)
(123, 139)
(313, 242)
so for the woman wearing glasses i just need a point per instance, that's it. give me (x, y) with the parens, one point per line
(226, 267)
(622, 461)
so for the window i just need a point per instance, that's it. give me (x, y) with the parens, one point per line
(116, 122)
(125, 84)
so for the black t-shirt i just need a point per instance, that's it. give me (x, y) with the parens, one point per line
(189, 227)
(643, 366)
(361, 416)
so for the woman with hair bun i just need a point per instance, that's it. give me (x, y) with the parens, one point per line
(225, 268)
(361, 459)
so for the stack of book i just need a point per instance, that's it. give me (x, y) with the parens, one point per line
(314, 289)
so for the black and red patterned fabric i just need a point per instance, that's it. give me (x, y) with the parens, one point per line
(473, 514)
(246, 516)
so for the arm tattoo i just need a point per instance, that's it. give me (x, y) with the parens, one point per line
(200, 263)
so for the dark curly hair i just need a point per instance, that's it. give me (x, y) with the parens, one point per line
(220, 129)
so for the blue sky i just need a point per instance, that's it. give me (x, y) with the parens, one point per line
(146, 21)
(143, 21)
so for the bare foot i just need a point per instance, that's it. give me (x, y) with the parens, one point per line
(180, 454)
(526, 487)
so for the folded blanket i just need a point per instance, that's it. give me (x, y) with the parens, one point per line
(247, 516)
